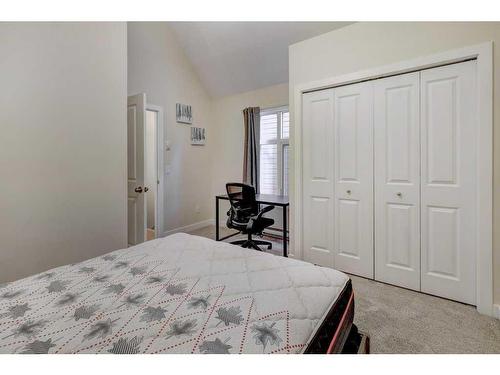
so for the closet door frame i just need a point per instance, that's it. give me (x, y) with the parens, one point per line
(483, 53)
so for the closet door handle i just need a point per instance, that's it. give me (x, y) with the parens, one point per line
(348, 192)
(399, 194)
(138, 189)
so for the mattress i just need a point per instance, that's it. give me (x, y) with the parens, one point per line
(178, 294)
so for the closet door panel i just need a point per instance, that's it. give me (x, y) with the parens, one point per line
(348, 228)
(449, 181)
(401, 219)
(397, 180)
(353, 145)
(317, 138)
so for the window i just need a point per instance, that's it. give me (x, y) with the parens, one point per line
(274, 134)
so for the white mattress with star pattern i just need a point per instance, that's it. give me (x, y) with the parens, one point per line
(178, 294)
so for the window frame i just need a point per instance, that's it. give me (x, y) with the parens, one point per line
(279, 142)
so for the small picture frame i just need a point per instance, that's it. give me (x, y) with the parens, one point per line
(184, 113)
(198, 136)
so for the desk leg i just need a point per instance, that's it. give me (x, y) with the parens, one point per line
(216, 218)
(285, 231)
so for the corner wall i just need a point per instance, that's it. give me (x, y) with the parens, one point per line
(158, 67)
(228, 112)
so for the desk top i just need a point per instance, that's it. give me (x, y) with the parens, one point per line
(277, 200)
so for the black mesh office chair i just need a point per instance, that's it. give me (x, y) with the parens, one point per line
(245, 216)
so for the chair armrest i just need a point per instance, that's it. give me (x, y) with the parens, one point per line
(263, 211)
(258, 216)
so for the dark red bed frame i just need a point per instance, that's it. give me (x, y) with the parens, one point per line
(338, 333)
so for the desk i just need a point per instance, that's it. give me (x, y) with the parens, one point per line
(274, 200)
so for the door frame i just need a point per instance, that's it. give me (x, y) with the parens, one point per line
(160, 191)
(483, 53)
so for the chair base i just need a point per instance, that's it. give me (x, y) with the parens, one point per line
(253, 244)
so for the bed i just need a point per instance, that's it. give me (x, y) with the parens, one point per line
(180, 294)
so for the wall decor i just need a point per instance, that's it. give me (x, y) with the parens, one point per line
(184, 113)
(198, 136)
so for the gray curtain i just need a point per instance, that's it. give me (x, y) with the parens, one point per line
(251, 121)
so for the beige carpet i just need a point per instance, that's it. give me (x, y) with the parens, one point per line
(403, 321)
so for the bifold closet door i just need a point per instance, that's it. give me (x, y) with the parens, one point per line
(353, 146)
(448, 148)
(317, 164)
(397, 180)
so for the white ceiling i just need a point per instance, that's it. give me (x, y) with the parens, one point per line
(234, 57)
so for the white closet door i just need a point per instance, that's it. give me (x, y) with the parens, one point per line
(317, 138)
(353, 145)
(448, 148)
(397, 180)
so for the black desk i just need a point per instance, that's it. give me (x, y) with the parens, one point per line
(274, 200)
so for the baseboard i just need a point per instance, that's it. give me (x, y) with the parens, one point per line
(496, 311)
(189, 228)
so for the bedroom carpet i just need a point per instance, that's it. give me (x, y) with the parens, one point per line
(403, 321)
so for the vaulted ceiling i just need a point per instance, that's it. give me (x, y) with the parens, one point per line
(234, 57)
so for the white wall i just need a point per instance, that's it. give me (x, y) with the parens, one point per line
(158, 67)
(228, 119)
(365, 45)
(63, 144)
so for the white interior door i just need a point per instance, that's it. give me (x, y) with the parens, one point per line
(353, 145)
(136, 119)
(318, 168)
(397, 180)
(448, 150)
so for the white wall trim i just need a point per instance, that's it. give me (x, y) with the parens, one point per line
(190, 227)
(496, 311)
(484, 54)
(264, 111)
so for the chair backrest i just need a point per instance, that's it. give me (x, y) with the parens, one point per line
(242, 199)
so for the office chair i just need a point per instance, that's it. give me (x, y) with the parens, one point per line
(245, 216)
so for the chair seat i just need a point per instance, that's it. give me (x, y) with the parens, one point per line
(263, 223)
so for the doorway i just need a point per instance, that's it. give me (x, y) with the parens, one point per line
(153, 181)
(145, 170)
